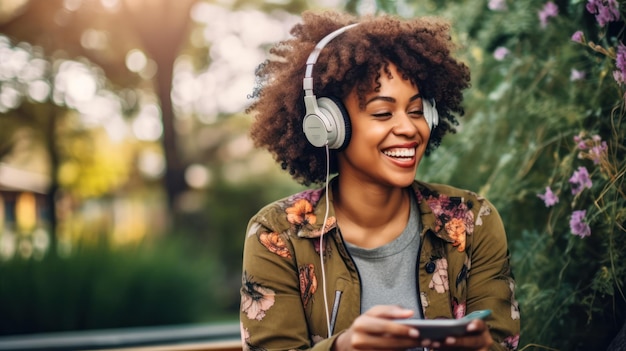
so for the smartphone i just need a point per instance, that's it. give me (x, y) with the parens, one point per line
(438, 329)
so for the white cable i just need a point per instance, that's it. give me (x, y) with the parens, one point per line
(322, 242)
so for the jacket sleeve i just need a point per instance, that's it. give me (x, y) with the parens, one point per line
(491, 284)
(272, 315)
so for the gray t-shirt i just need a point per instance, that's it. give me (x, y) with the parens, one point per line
(388, 273)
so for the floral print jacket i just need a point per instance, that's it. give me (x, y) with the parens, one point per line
(463, 267)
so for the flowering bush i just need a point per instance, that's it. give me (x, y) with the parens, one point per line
(544, 138)
(597, 200)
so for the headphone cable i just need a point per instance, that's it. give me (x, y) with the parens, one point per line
(322, 241)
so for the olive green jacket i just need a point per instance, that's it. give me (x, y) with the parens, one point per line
(463, 267)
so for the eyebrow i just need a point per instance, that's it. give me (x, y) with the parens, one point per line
(390, 99)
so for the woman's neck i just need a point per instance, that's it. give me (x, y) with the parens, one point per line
(370, 215)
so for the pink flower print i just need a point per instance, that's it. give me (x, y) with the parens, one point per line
(439, 281)
(308, 282)
(511, 342)
(275, 243)
(444, 207)
(330, 223)
(245, 337)
(458, 309)
(312, 196)
(515, 314)
(485, 210)
(301, 213)
(424, 300)
(255, 299)
(456, 228)
(316, 339)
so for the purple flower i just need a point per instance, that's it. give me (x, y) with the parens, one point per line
(597, 151)
(501, 53)
(578, 138)
(581, 143)
(592, 6)
(578, 37)
(605, 11)
(576, 75)
(549, 198)
(577, 224)
(580, 180)
(549, 10)
(620, 60)
(497, 5)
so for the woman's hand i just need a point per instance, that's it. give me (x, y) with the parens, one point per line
(375, 330)
(477, 338)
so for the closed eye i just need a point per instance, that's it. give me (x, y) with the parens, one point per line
(382, 115)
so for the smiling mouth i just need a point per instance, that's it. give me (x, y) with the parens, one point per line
(400, 153)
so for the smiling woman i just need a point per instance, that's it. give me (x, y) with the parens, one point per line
(332, 268)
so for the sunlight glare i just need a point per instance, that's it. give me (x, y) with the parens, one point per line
(136, 60)
(110, 4)
(72, 5)
(147, 125)
(99, 109)
(197, 176)
(235, 40)
(12, 61)
(116, 127)
(35, 69)
(10, 97)
(75, 82)
(39, 90)
(94, 39)
(151, 164)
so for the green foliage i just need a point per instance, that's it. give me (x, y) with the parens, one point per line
(523, 113)
(160, 283)
(219, 229)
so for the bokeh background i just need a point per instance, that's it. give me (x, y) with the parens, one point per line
(127, 176)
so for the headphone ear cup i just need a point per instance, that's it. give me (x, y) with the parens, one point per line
(334, 111)
(430, 113)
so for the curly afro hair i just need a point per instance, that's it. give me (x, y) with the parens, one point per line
(420, 48)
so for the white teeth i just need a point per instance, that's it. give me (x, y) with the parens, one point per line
(400, 152)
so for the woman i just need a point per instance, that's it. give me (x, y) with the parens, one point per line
(334, 268)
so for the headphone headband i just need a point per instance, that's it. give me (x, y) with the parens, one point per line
(307, 83)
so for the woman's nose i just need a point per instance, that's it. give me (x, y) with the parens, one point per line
(405, 125)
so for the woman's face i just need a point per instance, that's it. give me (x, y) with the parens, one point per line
(389, 136)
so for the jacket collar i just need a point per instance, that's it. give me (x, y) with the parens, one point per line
(423, 191)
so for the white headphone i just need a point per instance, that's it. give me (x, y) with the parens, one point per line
(326, 120)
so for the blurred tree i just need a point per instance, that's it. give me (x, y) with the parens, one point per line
(105, 35)
(163, 44)
(57, 109)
